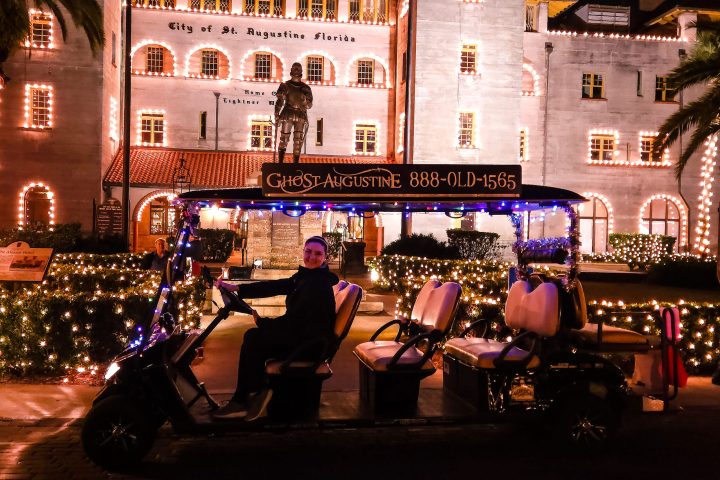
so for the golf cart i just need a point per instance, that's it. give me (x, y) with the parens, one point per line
(555, 365)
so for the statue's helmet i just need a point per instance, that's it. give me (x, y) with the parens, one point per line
(296, 70)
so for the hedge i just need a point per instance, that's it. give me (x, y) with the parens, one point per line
(67, 325)
(474, 245)
(216, 244)
(63, 237)
(640, 250)
(484, 292)
(417, 244)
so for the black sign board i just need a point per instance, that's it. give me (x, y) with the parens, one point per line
(108, 220)
(390, 180)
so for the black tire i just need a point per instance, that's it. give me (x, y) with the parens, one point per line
(117, 434)
(585, 421)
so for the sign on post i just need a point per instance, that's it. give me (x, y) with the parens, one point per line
(390, 180)
(21, 263)
(108, 219)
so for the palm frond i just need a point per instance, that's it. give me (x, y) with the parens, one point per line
(696, 71)
(88, 15)
(700, 113)
(14, 25)
(696, 141)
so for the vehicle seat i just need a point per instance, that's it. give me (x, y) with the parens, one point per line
(532, 310)
(593, 335)
(297, 384)
(390, 371)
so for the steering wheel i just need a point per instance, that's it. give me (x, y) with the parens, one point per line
(230, 299)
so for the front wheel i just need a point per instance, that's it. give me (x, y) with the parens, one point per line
(117, 433)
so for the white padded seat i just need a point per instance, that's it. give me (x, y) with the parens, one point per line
(422, 298)
(482, 352)
(378, 354)
(610, 335)
(436, 313)
(347, 299)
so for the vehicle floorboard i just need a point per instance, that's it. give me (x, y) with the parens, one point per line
(344, 409)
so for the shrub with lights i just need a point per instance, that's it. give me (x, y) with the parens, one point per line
(83, 314)
(640, 250)
(484, 292)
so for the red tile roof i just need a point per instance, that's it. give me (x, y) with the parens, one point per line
(153, 166)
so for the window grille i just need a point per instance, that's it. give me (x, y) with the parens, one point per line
(664, 90)
(263, 65)
(465, 136)
(602, 147)
(152, 126)
(315, 68)
(593, 86)
(261, 135)
(366, 70)
(41, 30)
(365, 138)
(209, 66)
(468, 59)
(155, 60)
(41, 114)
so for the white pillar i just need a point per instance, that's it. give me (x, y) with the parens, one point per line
(291, 8)
(690, 34)
(542, 17)
(343, 10)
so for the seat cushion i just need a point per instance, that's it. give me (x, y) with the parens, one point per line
(440, 307)
(346, 302)
(273, 367)
(610, 335)
(377, 355)
(422, 299)
(481, 352)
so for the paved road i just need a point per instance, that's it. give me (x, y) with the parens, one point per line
(683, 445)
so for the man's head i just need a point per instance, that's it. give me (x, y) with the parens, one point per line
(160, 246)
(315, 252)
(296, 70)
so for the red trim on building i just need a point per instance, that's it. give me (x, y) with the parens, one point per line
(154, 167)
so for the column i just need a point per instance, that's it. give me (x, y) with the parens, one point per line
(688, 33)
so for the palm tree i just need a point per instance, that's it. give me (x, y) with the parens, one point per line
(701, 68)
(15, 22)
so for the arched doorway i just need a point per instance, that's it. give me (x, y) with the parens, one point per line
(154, 217)
(36, 206)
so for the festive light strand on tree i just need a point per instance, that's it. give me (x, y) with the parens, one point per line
(702, 231)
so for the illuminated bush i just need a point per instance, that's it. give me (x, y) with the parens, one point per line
(81, 316)
(640, 250)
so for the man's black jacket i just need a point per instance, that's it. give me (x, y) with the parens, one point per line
(310, 304)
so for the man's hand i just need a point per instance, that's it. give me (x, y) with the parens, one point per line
(227, 286)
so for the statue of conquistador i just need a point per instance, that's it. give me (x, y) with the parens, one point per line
(294, 98)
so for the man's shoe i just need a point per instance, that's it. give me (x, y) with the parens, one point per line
(258, 405)
(233, 410)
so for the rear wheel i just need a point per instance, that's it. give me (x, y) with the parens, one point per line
(585, 421)
(117, 433)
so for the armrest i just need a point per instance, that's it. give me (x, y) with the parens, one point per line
(431, 336)
(502, 361)
(401, 327)
(320, 342)
(474, 324)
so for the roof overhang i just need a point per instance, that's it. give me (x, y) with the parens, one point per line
(671, 15)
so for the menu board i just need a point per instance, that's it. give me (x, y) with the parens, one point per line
(21, 263)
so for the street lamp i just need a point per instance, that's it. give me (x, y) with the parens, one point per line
(217, 107)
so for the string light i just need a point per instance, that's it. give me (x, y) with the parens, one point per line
(153, 43)
(681, 208)
(36, 17)
(113, 120)
(22, 203)
(223, 62)
(619, 36)
(368, 56)
(275, 57)
(161, 117)
(702, 231)
(149, 198)
(376, 125)
(325, 56)
(606, 203)
(43, 107)
(599, 134)
(535, 80)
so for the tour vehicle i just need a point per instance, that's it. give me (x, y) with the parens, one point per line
(556, 366)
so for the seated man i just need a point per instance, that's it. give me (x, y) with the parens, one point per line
(310, 314)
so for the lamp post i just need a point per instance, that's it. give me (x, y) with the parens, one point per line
(126, 128)
(217, 109)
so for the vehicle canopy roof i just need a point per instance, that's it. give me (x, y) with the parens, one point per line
(531, 197)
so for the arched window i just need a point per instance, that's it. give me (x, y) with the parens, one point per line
(37, 205)
(151, 58)
(662, 215)
(595, 224)
(318, 69)
(530, 81)
(208, 62)
(262, 66)
(367, 72)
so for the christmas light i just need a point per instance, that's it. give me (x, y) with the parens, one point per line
(682, 241)
(357, 126)
(153, 43)
(702, 231)
(223, 62)
(113, 119)
(600, 135)
(41, 18)
(352, 66)
(246, 65)
(327, 59)
(160, 113)
(149, 198)
(39, 106)
(23, 207)
(536, 81)
(618, 36)
(606, 203)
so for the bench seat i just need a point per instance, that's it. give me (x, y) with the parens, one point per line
(482, 352)
(377, 355)
(610, 335)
